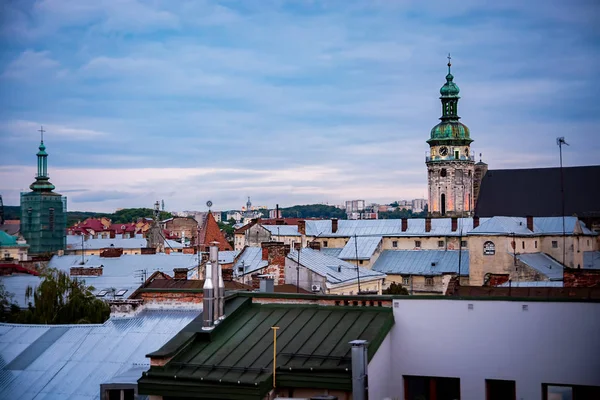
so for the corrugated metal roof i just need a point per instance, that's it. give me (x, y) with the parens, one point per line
(364, 246)
(591, 259)
(74, 364)
(330, 251)
(227, 257)
(119, 272)
(389, 227)
(544, 264)
(422, 262)
(333, 269)
(250, 260)
(533, 284)
(518, 226)
(282, 230)
(74, 242)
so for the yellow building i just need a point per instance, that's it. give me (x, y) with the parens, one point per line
(12, 249)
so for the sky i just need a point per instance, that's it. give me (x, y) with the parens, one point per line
(288, 102)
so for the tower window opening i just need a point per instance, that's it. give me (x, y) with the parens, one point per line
(456, 154)
(443, 204)
(443, 172)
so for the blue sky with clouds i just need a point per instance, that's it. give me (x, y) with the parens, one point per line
(289, 102)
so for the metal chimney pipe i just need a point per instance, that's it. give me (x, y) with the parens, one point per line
(221, 293)
(208, 300)
(359, 369)
(214, 261)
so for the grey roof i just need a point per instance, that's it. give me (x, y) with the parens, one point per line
(74, 242)
(227, 257)
(533, 284)
(330, 251)
(118, 272)
(333, 269)
(591, 259)
(422, 262)
(544, 264)
(251, 260)
(282, 230)
(541, 226)
(71, 361)
(518, 192)
(388, 227)
(365, 246)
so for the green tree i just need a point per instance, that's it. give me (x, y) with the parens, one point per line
(313, 211)
(8, 308)
(60, 299)
(395, 288)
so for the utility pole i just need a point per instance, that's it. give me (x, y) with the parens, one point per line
(560, 141)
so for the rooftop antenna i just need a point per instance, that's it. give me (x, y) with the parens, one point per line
(560, 141)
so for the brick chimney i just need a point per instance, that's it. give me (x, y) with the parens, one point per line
(427, 224)
(454, 224)
(275, 253)
(86, 271)
(334, 225)
(227, 274)
(255, 281)
(475, 222)
(530, 223)
(404, 224)
(302, 227)
(112, 234)
(180, 273)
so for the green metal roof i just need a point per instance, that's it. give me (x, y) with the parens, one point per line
(234, 361)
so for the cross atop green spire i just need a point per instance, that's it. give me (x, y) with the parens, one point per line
(42, 183)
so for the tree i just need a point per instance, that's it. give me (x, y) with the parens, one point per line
(8, 308)
(60, 299)
(313, 211)
(395, 288)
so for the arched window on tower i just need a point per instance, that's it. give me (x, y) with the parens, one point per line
(459, 176)
(443, 172)
(443, 204)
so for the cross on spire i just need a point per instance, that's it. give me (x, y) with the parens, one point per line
(41, 130)
(449, 62)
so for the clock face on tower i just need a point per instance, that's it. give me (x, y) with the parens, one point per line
(443, 151)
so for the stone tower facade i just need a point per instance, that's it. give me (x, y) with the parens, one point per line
(450, 165)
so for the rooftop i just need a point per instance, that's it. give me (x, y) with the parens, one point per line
(360, 248)
(74, 242)
(544, 264)
(541, 226)
(422, 262)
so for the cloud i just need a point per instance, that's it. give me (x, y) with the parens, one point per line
(31, 64)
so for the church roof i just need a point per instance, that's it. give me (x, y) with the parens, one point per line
(210, 232)
(536, 192)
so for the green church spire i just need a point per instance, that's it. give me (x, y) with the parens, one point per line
(42, 183)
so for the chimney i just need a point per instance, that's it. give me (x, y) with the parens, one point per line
(227, 274)
(530, 223)
(208, 301)
(132, 234)
(217, 280)
(334, 225)
(302, 227)
(454, 224)
(427, 224)
(359, 369)
(180, 273)
(255, 281)
(112, 234)
(315, 245)
(277, 215)
(275, 253)
(266, 284)
(475, 222)
(404, 224)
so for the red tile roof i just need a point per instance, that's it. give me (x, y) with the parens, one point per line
(210, 232)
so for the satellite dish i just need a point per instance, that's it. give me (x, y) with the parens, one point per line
(209, 204)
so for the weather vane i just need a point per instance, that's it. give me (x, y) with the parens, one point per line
(209, 204)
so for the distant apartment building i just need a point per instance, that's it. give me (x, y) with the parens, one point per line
(355, 206)
(418, 205)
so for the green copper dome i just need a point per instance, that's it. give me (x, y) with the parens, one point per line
(450, 130)
(450, 89)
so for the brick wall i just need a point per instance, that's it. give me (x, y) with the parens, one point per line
(275, 253)
(86, 271)
(581, 277)
(172, 297)
(111, 252)
(496, 279)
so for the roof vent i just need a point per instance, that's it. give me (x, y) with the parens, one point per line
(433, 263)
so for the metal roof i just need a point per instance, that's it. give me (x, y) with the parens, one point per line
(334, 270)
(533, 284)
(544, 264)
(364, 246)
(227, 257)
(74, 242)
(389, 227)
(235, 360)
(422, 262)
(330, 251)
(121, 273)
(250, 260)
(541, 226)
(282, 230)
(71, 361)
(591, 259)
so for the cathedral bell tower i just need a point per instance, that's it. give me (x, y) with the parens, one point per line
(450, 163)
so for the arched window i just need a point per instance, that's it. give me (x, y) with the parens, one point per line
(443, 172)
(489, 248)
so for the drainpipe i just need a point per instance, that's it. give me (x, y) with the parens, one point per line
(208, 300)
(359, 369)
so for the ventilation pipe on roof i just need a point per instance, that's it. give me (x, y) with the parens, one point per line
(214, 262)
(359, 369)
(208, 301)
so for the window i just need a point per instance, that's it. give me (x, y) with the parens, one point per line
(456, 154)
(121, 394)
(395, 243)
(523, 244)
(569, 392)
(489, 248)
(406, 280)
(443, 172)
(535, 243)
(500, 390)
(360, 262)
(428, 388)
(121, 292)
(51, 219)
(417, 243)
(458, 176)
(463, 243)
(429, 281)
(440, 243)
(555, 244)
(325, 243)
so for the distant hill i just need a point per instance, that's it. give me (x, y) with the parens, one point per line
(313, 211)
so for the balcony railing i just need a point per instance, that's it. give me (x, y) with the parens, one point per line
(438, 158)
